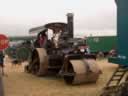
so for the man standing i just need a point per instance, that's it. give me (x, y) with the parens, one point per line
(2, 62)
(4, 43)
(42, 38)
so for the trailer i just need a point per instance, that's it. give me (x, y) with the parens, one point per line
(114, 86)
(101, 43)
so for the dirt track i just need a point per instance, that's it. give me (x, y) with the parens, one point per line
(19, 83)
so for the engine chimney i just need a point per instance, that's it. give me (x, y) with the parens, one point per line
(70, 24)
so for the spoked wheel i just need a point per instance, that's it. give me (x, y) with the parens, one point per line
(39, 62)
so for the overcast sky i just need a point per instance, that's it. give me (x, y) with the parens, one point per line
(96, 17)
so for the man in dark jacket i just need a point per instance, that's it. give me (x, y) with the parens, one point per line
(2, 62)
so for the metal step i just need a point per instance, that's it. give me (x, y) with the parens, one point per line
(114, 81)
(116, 74)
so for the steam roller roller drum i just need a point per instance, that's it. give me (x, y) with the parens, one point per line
(82, 70)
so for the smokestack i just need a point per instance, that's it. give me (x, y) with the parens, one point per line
(70, 24)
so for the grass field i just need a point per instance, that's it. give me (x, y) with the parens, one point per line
(19, 83)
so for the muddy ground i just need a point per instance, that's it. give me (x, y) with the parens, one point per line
(19, 83)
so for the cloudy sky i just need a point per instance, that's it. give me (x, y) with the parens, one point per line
(96, 17)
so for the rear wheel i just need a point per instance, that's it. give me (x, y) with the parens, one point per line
(38, 64)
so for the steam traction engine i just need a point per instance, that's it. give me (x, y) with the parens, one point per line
(60, 54)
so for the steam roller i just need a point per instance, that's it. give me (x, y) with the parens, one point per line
(62, 54)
